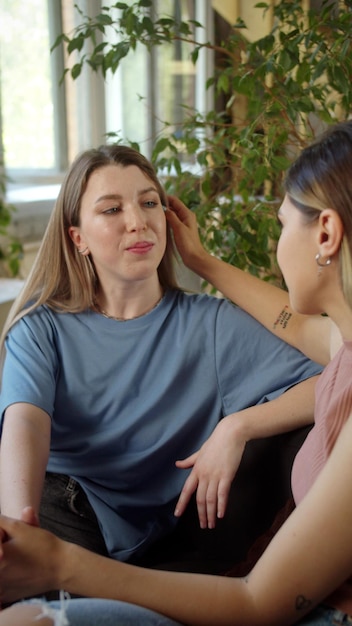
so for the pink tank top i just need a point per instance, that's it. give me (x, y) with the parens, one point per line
(333, 405)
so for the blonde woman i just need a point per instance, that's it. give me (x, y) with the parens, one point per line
(304, 576)
(112, 373)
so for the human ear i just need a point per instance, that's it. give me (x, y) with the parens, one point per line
(75, 234)
(330, 233)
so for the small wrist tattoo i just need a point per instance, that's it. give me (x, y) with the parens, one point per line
(302, 603)
(283, 318)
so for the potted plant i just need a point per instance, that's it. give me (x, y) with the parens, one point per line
(10, 247)
(275, 93)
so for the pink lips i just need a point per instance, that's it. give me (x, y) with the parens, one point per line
(140, 247)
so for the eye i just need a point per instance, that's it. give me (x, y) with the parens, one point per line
(151, 204)
(113, 209)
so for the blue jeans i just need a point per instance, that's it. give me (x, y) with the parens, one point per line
(325, 616)
(90, 612)
(93, 612)
(66, 512)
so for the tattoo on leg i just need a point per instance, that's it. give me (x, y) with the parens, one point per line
(283, 318)
(302, 603)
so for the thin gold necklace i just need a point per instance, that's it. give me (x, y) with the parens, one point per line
(98, 309)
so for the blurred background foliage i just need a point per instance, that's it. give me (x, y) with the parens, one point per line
(271, 97)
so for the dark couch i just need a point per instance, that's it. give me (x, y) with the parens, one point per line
(259, 501)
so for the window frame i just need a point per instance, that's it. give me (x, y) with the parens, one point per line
(33, 192)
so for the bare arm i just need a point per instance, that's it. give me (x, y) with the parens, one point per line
(216, 463)
(24, 615)
(267, 303)
(25, 446)
(310, 556)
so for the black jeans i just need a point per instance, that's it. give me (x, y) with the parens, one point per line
(66, 512)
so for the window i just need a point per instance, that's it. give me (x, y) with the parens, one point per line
(152, 88)
(45, 122)
(31, 98)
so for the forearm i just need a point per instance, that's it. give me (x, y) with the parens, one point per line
(293, 409)
(265, 302)
(23, 460)
(268, 304)
(260, 299)
(188, 598)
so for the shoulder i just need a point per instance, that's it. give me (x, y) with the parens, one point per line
(224, 313)
(204, 302)
(335, 339)
(44, 321)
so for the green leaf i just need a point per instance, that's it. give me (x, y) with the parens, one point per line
(76, 44)
(260, 175)
(162, 144)
(223, 83)
(303, 73)
(194, 57)
(58, 41)
(148, 25)
(104, 19)
(76, 70)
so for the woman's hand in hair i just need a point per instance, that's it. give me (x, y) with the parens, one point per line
(184, 226)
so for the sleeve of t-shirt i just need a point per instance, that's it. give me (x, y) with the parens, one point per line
(30, 366)
(253, 365)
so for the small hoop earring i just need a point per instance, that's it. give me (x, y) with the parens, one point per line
(83, 251)
(321, 265)
(317, 258)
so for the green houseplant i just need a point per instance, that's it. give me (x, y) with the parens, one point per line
(10, 247)
(277, 92)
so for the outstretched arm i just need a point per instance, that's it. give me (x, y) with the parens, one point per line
(267, 303)
(308, 559)
(25, 444)
(216, 463)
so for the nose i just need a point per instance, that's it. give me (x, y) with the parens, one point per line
(135, 218)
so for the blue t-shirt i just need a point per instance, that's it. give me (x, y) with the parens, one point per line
(127, 399)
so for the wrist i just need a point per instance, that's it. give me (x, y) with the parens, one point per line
(63, 560)
(243, 425)
(236, 426)
(201, 262)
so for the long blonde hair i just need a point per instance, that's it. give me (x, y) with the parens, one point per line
(321, 178)
(60, 277)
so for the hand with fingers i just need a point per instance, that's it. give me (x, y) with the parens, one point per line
(214, 468)
(184, 226)
(26, 557)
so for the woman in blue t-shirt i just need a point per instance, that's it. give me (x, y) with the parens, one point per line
(112, 373)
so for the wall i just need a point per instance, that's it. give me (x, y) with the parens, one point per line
(256, 21)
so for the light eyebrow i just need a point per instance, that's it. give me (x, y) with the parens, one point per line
(116, 196)
(142, 191)
(108, 196)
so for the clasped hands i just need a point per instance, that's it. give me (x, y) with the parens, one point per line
(26, 557)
